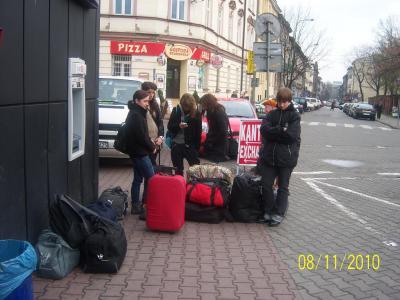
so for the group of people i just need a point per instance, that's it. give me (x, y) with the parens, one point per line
(145, 130)
(280, 131)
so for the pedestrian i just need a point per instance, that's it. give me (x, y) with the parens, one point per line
(234, 94)
(216, 143)
(379, 108)
(333, 105)
(154, 117)
(305, 105)
(185, 125)
(269, 105)
(140, 147)
(280, 133)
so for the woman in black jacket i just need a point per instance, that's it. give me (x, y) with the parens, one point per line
(185, 125)
(140, 147)
(216, 143)
(278, 155)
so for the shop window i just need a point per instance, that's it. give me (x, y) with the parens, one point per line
(123, 7)
(122, 65)
(178, 9)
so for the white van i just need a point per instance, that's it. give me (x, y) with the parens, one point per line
(114, 94)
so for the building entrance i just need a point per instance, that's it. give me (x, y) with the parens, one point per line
(173, 78)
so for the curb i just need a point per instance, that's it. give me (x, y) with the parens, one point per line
(387, 124)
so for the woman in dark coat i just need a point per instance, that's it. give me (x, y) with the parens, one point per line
(216, 143)
(279, 153)
(185, 125)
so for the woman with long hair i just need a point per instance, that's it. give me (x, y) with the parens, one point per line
(185, 125)
(216, 143)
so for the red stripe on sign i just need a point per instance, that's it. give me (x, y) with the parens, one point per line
(137, 48)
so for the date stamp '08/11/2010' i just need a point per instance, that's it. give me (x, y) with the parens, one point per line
(346, 262)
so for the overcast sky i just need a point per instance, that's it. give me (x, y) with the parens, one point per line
(348, 24)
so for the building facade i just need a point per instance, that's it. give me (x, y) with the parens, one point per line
(181, 45)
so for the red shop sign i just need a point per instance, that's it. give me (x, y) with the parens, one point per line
(201, 54)
(137, 48)
(249, 142)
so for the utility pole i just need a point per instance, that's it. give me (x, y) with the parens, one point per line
(243, 38)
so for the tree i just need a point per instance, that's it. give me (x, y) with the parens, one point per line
(302, 46)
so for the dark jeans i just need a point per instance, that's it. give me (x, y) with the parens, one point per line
(279, 204)
(378, 114)
(142, 168)
(181, 151)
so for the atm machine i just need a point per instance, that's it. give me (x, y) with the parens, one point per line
(76, 107)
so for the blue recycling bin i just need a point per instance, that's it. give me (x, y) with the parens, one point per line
(18, 260)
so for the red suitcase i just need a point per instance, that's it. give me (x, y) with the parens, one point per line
(165, 202)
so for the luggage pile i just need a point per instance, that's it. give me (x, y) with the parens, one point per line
(207, 193)
(90, 236)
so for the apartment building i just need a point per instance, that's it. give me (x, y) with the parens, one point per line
(181, 45)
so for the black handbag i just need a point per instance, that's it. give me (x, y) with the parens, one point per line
(232, 144)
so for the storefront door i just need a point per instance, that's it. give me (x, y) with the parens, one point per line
(173, 78)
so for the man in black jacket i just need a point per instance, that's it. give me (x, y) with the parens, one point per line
(140, 147)
(278, 155)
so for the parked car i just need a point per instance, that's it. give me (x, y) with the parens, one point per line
(351, 109)
(312, 103)
(114, 94)
(300, 101)
(236, 109)
(346, 107)
(364, 110)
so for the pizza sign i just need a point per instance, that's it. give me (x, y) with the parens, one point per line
(249, 142)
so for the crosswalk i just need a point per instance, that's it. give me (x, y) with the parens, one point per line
(345, 125)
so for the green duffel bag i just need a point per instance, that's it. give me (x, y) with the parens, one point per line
(56, 259)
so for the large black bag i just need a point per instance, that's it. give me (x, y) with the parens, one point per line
(121, 140)
(205, 214)
(69, 219)
(118, 198)
(104, 250)
(104, 209)
(245, 204)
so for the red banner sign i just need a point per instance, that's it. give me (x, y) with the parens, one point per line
(201, 54)
(137, 48)
(249, 142)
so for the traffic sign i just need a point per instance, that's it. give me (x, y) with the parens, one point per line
(275, 63)
(260, 48)
(249, 142)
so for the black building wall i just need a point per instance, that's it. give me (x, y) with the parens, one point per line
(38, 38)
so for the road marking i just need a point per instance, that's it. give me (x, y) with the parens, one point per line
(350, 213)
(313, 123)
(366, 126)
(389, 174)
(312, 173)
(328, 146)
(381, 147)
(332, 200)
(349, 125)
(384, 128)
(359, 194)
(331, 124)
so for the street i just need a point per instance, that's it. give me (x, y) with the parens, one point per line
(344, 203)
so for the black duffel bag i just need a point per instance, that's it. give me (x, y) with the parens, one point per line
(245, 204)
(105, 248)
(205, 214)
(68, 219)
(118, 199)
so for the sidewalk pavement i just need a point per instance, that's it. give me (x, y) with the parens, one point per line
(389, 121)
(202, 261)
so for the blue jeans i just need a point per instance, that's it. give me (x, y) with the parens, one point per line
(142, 168)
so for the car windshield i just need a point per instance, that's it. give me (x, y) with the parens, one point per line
(365, 106)
(117, 91)
(238, 109)
(299, 100)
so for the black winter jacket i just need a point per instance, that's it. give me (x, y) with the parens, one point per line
(215, 145)
(139, 142)
(192, 133)
(281, 138)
